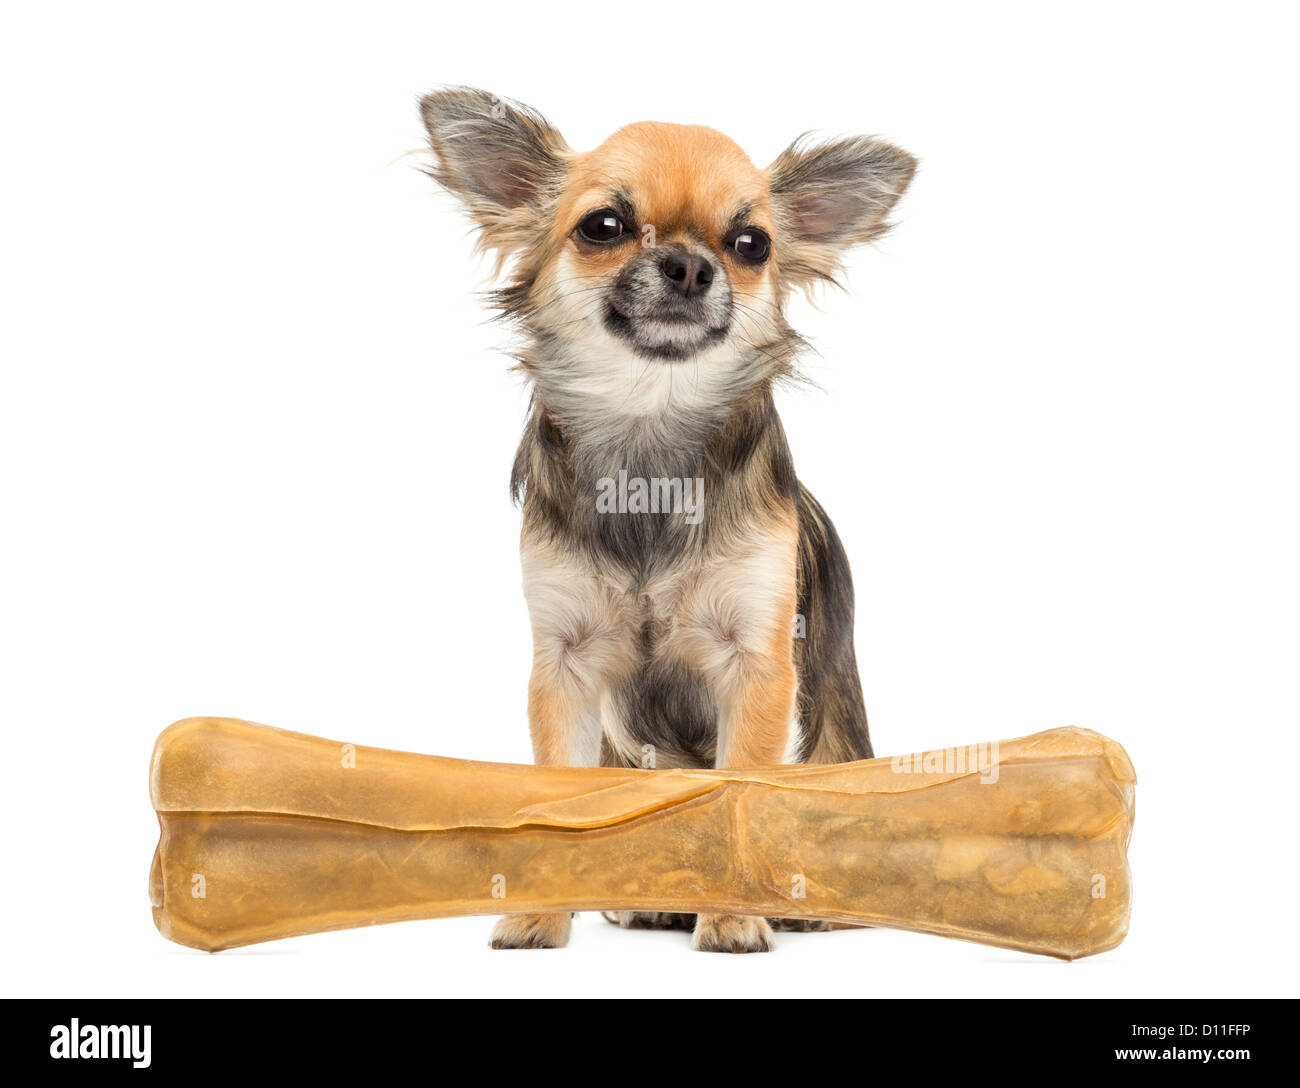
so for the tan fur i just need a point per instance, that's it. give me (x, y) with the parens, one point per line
(682, 178)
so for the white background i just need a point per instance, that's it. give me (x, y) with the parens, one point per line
(256, 435)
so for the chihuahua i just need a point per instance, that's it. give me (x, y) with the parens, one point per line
(691, 604)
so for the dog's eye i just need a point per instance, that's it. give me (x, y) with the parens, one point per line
(750, 244)
(602, 227)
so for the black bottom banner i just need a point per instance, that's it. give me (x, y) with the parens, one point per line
(435, 1039)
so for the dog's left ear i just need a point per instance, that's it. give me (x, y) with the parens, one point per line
(503, 159)
(828, 197)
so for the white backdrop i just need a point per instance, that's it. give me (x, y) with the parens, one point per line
(256, 435)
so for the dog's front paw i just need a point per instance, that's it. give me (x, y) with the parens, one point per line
(731, 933)
(532, 931)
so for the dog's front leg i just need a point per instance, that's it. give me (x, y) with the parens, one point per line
(579, 650)
(740, 628)
(754, 726)
(565, 723)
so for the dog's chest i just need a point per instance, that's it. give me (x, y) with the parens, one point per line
(698, 611)
(655, 612)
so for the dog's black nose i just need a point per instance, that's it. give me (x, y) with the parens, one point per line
(689, 274)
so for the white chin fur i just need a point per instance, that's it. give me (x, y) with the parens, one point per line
(672, 334)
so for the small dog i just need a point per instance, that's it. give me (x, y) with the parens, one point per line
(690, 601)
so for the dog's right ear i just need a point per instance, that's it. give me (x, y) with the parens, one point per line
(501, 158)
